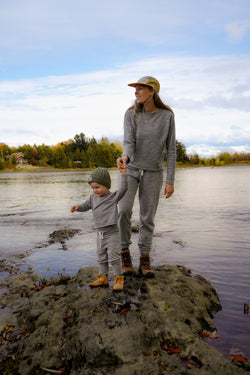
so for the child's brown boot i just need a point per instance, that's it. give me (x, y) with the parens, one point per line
(144, 268)
(102, 280)
(118, 283)
(127, 267)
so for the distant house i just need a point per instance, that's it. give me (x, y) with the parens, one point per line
(19, 157)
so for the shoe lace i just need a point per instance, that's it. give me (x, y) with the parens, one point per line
(145, 262)
(126, 259)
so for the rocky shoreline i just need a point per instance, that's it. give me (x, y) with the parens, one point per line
(155, 326)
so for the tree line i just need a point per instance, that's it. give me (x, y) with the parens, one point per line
(223, 158)
(82, 152)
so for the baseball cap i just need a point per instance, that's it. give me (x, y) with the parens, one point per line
(147, 81)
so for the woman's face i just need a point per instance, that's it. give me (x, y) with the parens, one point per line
(143, 94)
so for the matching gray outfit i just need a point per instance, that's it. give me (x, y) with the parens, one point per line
(105, 214)
(146, 137)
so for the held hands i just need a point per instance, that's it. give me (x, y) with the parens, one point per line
(121, 163)
(169, 190)
(73, 209)
(123, 169)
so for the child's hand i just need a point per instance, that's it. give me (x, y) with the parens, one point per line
(122, 161)
(122, 168)
(73, 209)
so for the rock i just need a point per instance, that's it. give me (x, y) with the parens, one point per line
(61, 236)
(152, 327)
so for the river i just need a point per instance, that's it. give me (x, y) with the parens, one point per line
(203, 226)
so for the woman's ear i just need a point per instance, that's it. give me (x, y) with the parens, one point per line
(152, 91)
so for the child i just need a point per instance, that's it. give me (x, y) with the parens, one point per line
(105, 213)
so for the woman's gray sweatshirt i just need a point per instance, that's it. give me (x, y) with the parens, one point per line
(104, 209)
(146, 137)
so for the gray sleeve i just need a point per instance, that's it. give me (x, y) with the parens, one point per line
(129, 139)
(123, 186)
(85, 206)
(171, 152)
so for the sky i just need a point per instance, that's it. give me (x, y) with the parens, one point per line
(65, 68)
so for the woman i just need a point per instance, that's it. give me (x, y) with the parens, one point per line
(149, 130)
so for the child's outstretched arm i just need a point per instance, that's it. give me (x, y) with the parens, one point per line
(73, 209)
(123, 182)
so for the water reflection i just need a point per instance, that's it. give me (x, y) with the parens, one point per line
(204, 226)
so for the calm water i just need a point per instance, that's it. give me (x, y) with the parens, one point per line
(204, 226)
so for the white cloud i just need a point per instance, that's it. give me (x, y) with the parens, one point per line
(205, 93)
(207, 151)
(237, 30)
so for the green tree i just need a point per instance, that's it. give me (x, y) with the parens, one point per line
(79, 159)
(84, 160)
(102, 156)
(60, 158)
(225, 157)
(80, 142)
(77, 155)
(2, 164)
(181, 153)
(4, 150)
(44, 154)
(194, 159)
(90, 157)
(92, 141)
(27, 151)
(13, 161)
(116, 150)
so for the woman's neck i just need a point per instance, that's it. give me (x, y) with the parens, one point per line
(150, 106)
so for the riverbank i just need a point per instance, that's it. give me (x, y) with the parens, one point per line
(155, 326)
(34, 168)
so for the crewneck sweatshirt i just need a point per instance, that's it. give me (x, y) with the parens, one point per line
(146, 137)
(104, 209)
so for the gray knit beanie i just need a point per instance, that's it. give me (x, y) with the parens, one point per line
(101, 176)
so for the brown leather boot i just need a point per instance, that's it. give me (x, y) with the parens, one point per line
(118, 283)
(127, 267)
(144, 268)
(102, 280)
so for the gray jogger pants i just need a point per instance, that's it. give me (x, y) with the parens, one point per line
(108, 250)
(149, 184)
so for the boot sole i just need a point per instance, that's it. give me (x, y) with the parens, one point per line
(148, 275)
(98, 286)
(128, 273)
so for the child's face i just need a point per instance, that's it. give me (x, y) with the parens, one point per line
(98, 189)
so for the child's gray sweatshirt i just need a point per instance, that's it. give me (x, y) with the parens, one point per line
(104, 209)
(146, 137)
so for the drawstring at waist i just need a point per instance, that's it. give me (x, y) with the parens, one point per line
(100, 235)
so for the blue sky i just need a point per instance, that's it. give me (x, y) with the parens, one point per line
(65, 66)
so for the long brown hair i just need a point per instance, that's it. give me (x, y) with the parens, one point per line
(158, 103)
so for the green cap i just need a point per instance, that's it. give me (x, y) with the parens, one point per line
(147, 81)
(101, 176)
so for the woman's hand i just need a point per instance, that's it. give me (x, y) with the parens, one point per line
(169, 190)
(73, 209)
(122, 161)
